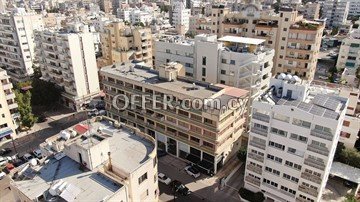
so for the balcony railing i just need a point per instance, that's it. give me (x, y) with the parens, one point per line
(317, 149)
(254, 169)
(322, 134)
(256, 157)
(258, 144)
(259, 131)
(299, 199)
(261, 117)
(308, 190)
(252, 180)
(310, 177)
(314, 163)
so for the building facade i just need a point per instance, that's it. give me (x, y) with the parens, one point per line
(180, 17)
(310, 11)
(335, 12)
(203, 135)
(17, 43)
(354, 8)
(68, 60)
(8, 107)
(294, 132)
(122, 43)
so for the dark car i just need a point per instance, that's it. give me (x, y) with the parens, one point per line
(18, 162)
(161, 153)
(178, 187)
(5, 151)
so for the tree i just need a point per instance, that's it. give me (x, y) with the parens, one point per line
(37, 72)
(340, 146)
(44, 93)
(23, 100)
(242, 154)
(350, 198)
(334, 31)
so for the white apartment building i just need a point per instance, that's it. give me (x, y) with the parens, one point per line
(354, 8)
(17, 42)
(180, 17)
(134, 16)
(68, 60)
(294, 132)
(349, 57)
(335, 12)
(8, 107)
(310, 11)
(92, 161)
(234, 61)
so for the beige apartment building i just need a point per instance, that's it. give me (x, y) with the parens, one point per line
(8, 107)
(296, 41)
(123, 43)
(208, 136)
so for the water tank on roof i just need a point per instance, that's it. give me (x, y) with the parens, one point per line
(65, 135)
(281, 76)
(33, 162)
(73, 133)
(288, 77)
(295, 78)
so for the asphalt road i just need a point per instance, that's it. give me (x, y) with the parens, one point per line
(47, 129)
(166, 194)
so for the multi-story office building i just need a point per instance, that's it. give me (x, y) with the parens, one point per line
(8, 107)
(68, 60)
(122, 43)
(294, 132)
(335, 12)
(295, 40)
(310, 11)
(354, 8)
(180, 17)
(235, 61)
(349, 57)
(17, 42)
(96, 161)
(202, 133)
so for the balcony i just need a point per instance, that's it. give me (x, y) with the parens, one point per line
(256, 157)
(314, 163)
(254, 168)
(310, 177)
(308, 190)
(258, 144)
(252, 180)
(322, 134)
(317, 149)
(299, 199)
(13, 106)
(7, 86)
(10, 96)
(261, 117)
(259, 131)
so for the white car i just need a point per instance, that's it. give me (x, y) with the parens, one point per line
(3, 160)
(28, 157)
(37, 153)
(2, 175)
(192, 171)
(163, 178)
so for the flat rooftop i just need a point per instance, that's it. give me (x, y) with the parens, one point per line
(128, 151)
(243, 40)
(345, 172)
(151, 77)
(81, 185)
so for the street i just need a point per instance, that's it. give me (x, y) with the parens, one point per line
(204, 188)
(57, 121)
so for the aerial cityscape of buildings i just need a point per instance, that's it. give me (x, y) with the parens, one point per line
(138, 100)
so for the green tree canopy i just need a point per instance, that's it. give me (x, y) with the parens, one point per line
(23, 100)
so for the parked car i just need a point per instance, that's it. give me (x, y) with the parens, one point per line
(102, 113)
(161, 153)
(27, 157)
(2, 175)
(178, 187)
(37, 153)
(3, 160)
(93, 112)
(192, 171)
(163, 178)
(5, 151)
(323, 77)
(18, 162)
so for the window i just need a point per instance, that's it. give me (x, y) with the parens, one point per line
(298, 137)
(294, 179)
(283, 38)
(286, 19)
(168, 51)
(282, 47)
(346, 123)
(281, 117)
(323, 128)
(194, 139)
(274, 158)
(203, 60)
(142, 178)
(285, 29)
(296, 152)
(345, 134)
(222, 81)
(270, 182)
(293, 165)
(279, 132)
(276, 145)
(232, 62)
(301, 123)
(273, 171)
(203, 72)
(223, 72)
(207, 144)
(223, 61)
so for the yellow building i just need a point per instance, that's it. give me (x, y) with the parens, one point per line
(123, 43)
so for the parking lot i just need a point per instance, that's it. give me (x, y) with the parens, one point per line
(204, 188)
